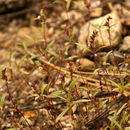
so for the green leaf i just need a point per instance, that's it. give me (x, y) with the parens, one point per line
(127, 85)
(119, 111)
(49, 46)
(114, 122)
(30, 38)
(12, 56)
(25, 46)
(122, 81)
(62, 114)
(84, 47)
(75, 124)
(36, 96)
(43, 88)
(107, 56)
(8, 67)
(38, 63)
(102, 103)
(23, 71)
(124, 117)
(21, 60)
(73, 33)
(69, 98)
(127, 117)
(114, 83)
(11, 129)
(57, 94)
(54, 54)
(70, 58)
(73, 83)
(34, 57)
(127, 128)
(117, 124)
(67, 43)
(2, 100)
(79, 101)
(68, 4)
(96, 70)
(1, 68)
(41, 12)
(80, 5)
(110, 5)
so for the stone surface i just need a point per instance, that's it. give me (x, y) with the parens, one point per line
(85, 64)
(96, 12)
(102, 39)
(11, 5)
(126, 12)
(29, 35)
(125, 47)
(123, 12)
(73, 15)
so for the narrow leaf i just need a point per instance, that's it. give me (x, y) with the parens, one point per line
(34, 57)
(23, 71)
(70, 58)
(62, 114)
(96, 70)
(107, 56)
(21, 60)
(49, 46)
(57, 94)
(114, 83)
(2, 100)
(122, 80)
(53, 53)
(11, 129)
(119, 111)
(79, 101)
(84, 47)
(127, 85)
(43, 88)
(25, 46)
(68, 4)
(30, 38)
(73, 83)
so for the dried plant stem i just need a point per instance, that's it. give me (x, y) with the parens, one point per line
(82, 79)
(11, 98)
(91, 73)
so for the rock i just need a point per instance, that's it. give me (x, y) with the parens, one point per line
(126, 12)
(96, 12)
(73, 15)
(123, 12)
(11, 5)
(111, 59)
(125, 47)
(102, 38)
(29, 35)
(85, 64)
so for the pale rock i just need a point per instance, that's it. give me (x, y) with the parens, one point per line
(125, 47)
(85, 64)
(10, 5)
(29, 35)
(72, 15)
(123, 12)
(126, 12)
(96, 12)
(95, 3)
(102, 38)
